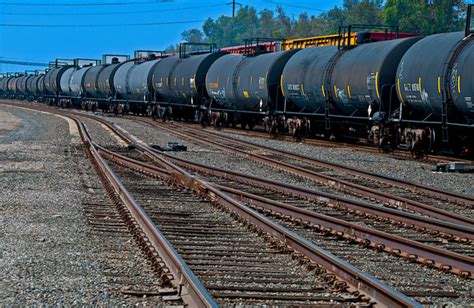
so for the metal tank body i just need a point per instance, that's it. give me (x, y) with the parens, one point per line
(423, 81)
(105, 80)
(40, 85)
(363, 76)
(90, 81)
(52, 79)
(120, 80)
(12, 86)
(65, 80)
(76, 81)
(18, 84)
(3, 85)
(161, 77)
(31, 87)
(180, 81)
(140, 81)
(303, 79)
(21, 85)
(250, 83)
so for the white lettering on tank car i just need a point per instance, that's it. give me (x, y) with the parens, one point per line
(469, 103)
(293, 87)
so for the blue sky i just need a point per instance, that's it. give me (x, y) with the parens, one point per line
(47, 43)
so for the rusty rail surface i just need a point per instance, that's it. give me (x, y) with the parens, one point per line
(356, 279)
(401, 216)
(441, 194)
(398, 154)
(384, 197)
(454, 229)
(431, 256)
(444, 227)
(189, 287)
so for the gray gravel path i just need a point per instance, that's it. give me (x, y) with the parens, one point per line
(49, 253)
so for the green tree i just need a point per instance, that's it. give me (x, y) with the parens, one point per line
(368, 12)
(425, 16)
(417, 16)
(284, 25)
(267, 24)
(193, 35)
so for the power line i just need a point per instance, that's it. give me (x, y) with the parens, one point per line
(296, 6)
(113, 13)
(24, 63)
(83, 4)
(108, 25)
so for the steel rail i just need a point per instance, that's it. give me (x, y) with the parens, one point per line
(422, 222)
(190, 288)
(358, 281)
(425, 254)
(340, 184)
(366, 284)
(398, 154)
(415, 251)
(431, 224)
(439, 193)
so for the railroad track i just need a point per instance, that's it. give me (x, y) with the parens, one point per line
(389, 191)
(399, 154)
(334, 236)
(222, 252)
(423, 292)
(342, 277)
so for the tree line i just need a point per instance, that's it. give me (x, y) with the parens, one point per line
(414, 16)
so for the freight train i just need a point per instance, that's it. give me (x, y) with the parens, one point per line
(412, 92)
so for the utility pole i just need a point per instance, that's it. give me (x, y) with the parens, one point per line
(233, 3)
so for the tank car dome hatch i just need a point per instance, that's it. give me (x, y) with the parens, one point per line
(249, 83)
(303, 79)
(436, 67)
(181, 80)
(362, 77)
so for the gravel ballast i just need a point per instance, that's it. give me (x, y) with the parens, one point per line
(418, 172)
(49, 252)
